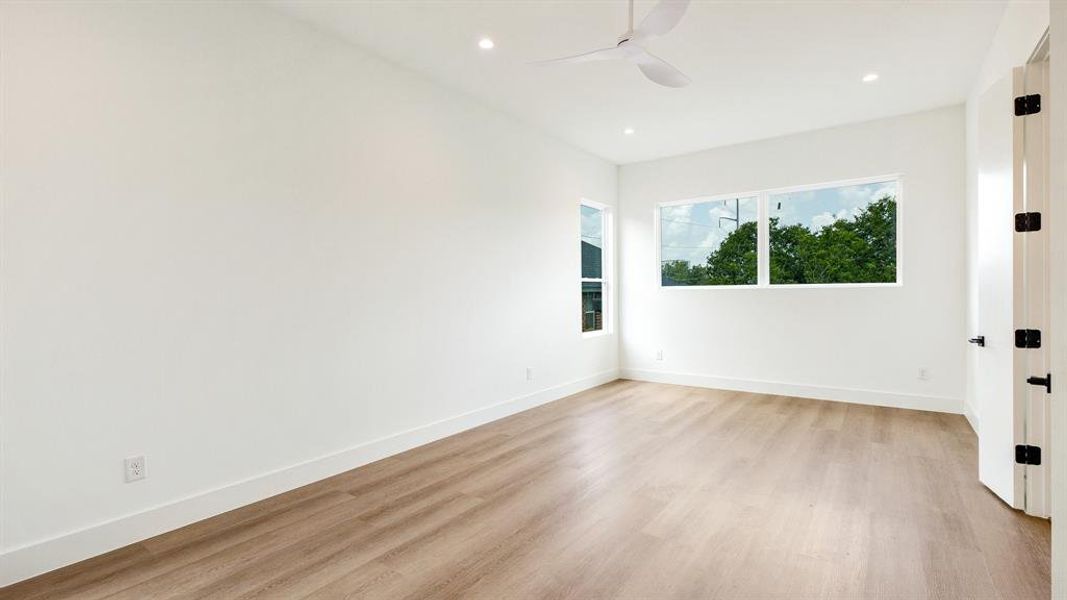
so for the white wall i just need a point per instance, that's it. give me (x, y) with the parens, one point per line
(1020, 30)
(258, 256)
(853, 344)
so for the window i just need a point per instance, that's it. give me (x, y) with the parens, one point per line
(710, 242)
(831, 234)
(841, 234)
(595, 237)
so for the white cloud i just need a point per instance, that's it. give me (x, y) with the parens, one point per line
(826, 218)
(867, 193)
(887, 189)
(592, 225)
(693, 231)
(822, 220)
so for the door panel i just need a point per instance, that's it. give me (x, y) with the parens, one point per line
(994, 383)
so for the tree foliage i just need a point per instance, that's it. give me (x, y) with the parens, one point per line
(858, 250)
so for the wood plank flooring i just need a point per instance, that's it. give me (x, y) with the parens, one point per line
(629, 490)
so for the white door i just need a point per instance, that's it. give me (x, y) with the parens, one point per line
(994, 377)
(1013, 412)
(1031, 251)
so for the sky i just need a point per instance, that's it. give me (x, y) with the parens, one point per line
(816, 209)
(592, 226)
(693, 231)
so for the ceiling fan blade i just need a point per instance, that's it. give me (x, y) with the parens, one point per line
(663, 18)
(602, 54)
(660, 71)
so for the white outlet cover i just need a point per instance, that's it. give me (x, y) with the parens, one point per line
(135, 468)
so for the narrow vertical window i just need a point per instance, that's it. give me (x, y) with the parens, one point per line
(594, 260)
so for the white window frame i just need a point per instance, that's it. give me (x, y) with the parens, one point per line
(701, 200)
(763, 254)
(607, 268)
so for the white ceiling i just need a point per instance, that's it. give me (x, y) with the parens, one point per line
(760, 68)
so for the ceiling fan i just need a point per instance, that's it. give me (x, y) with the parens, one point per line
(631, 47)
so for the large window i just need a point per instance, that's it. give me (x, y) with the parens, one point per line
(831, 234)
(595, 238)
(840, 234)
(710, 242)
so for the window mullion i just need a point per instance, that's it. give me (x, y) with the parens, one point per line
(763, 253)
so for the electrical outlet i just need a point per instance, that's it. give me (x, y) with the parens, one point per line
(135, 469)
(924, 374)
(659, 354)
(529, 374)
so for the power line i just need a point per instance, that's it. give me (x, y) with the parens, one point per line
(695, 223)
(690, 223)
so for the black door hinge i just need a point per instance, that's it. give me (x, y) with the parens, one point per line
(1027, 338)
(1045, 381)
(1027, 105)
(1028, 455)
(1028, 221)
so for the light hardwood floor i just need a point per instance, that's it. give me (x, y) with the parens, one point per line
(629, 490)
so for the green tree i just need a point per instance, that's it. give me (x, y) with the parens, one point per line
(786, 243)
(681, 272)
(860, 250)
(735, 262)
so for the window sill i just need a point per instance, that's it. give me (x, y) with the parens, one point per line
(784, 286)
(712, 287)
(594, 334)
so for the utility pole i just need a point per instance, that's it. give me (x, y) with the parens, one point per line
(737, 214)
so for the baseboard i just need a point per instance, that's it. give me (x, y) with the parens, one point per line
(972, 415)
(855, 396)
(28, 561)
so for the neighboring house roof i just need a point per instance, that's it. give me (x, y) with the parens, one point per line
(592, 258)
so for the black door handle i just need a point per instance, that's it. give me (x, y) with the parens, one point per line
(1045, 381)
(980, 340)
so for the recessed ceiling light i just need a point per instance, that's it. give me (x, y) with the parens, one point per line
(628, 131)
(869, 77)
(486, 44)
